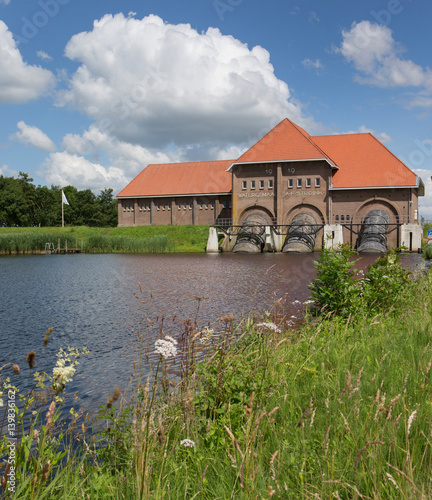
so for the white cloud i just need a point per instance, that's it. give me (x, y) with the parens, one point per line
(156, 84)
(381, 136)
(19, 82)
(33, 136)
(8, 172)
(313, 17)
(62, 169)
(4, 2)
(84, 159)
(309, 64)
(43, 55)
(376, 55)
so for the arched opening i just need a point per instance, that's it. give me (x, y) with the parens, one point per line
(304, 223)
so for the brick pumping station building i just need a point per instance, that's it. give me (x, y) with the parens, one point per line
(288, 192)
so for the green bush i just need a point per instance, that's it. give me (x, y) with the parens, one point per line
(427, 252)
(343, 290)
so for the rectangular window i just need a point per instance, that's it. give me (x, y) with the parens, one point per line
(163, 206)
(201, 205)
(190, 206)
(261, 184)
(290, 183)
(179, 206)
(299, 183)
(212, 205)
(252, 184)
(158, 206)
(317, 182)
(342, 218)
(337, 218)
(184, 206)
(270, 183)
(224, 204)
(348, 218)
(169, 206)
(308, 182)
(207, 206)
(230, 204)
(244, 185)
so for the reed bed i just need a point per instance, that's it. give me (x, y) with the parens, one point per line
(126, 244)
(31, 242)
(338, 408)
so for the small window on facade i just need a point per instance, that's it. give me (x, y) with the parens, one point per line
(270, 183)
(179, 206)
(290, 183)
(207, 206)
(124, 208)
(252, 184)
(342, 218)
(158, 206)
(308, 182)
(230, 204)
(212, 205)
(317, 182)
(299, 183)
(224, 204)
(244, 185)
(261, 184)
(184, 206)
(347, 217)
(163, 206)
(201, 205)
(169, 206)
(190, 206)
(337, 218)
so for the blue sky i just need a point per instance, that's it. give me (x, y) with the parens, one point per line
(92, 92)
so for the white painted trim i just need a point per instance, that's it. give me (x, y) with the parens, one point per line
(170, 196)
(369, 187)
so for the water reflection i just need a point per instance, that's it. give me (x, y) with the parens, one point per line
(95, 301)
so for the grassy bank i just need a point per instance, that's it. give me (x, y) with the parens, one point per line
(140, 239)
(340, 408)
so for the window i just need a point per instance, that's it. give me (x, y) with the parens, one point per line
(179, 206)
(252, 184)
(230, 204)
(158, 206)
(299, 183)
(212, 205)
(207, 206)
(184, 206)
(201, 205)
(224, 204)
(342, 218)
(347, 218)
(244, 184)
(124, 207)
(270, 183)
(169, 206)
(261, 184)
(308, 182)
(317, 182)
(337, 218)
(163, 206)
(190, 206)
(290, 183)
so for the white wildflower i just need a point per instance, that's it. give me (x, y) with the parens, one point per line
(188, 443)
(166, 348)
(296, 302)
(206, 335)
(411, 420)
(308, 302)
(293, 317)
(1, 399)
(269, 326)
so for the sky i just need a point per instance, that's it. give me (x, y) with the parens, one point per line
(93, 91)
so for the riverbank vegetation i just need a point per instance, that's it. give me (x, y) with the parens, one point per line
(338, 408)
(139, 239)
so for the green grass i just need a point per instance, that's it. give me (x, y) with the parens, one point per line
(139, 239)
(340, 408)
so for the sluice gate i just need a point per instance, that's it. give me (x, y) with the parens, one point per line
(373, 236)
(301, 234)
(251, 235)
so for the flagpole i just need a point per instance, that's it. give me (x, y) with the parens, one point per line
(62, 210)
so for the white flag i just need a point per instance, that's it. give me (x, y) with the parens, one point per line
(64, 199)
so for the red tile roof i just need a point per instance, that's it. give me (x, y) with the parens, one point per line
(359, 160)
(364, 162)
(169, 179)
(286, 141)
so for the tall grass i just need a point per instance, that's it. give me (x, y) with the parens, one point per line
(31, 242)
(126, 244)
(340, 408)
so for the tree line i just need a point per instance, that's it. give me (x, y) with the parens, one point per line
(22, 204)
